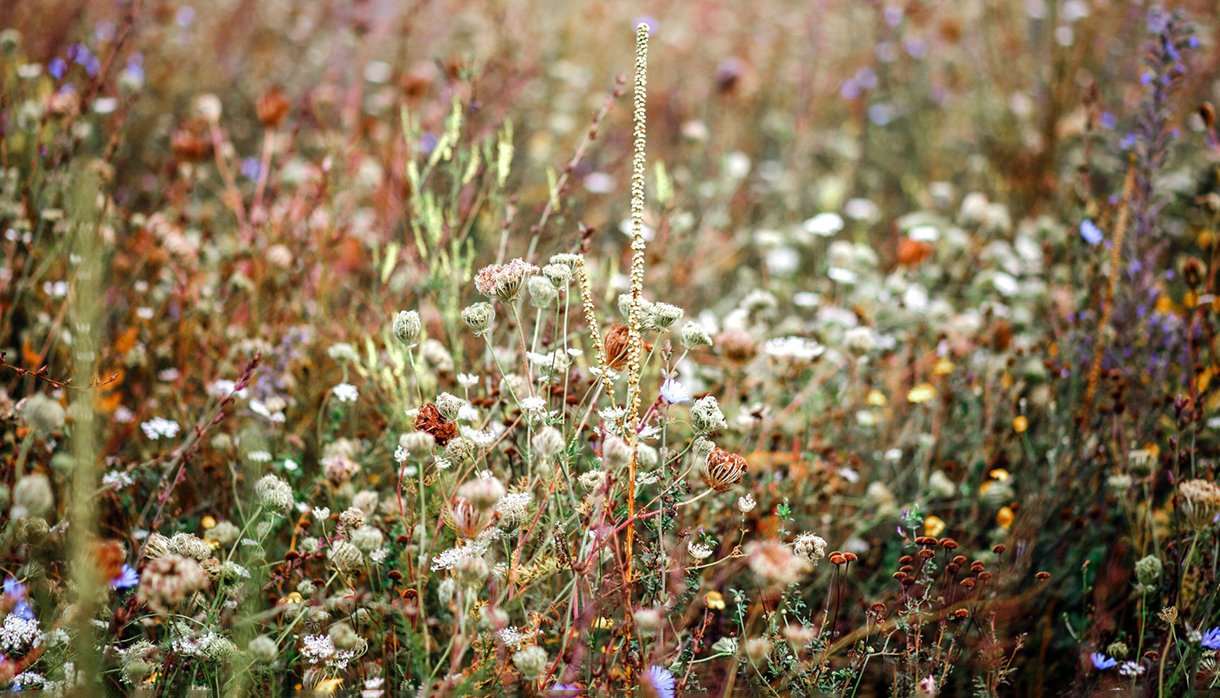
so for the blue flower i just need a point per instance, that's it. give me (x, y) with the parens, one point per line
(563, 689)
(57, 67)
(1101, 662)
(1091, 233)
(16, 592)
(659, 682)
(127, 578)
(1211, 639)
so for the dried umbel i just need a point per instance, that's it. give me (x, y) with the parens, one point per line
(429, 420)
(464, 519)
(724, 469)
(478, 317)
(1200, 500)
(408, 327)
(41, 413)
(616, 346)
(167, 581)
(504, 281)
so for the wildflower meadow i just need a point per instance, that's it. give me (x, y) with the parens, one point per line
(665, 349)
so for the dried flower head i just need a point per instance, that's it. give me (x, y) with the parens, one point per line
(723, 469)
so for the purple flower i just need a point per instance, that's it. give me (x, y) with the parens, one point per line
(563, 689)
(57, 67)
(127, 578)
(16, 592)
(1091, 233)
(1211, 639)
(659, 682)
(1101, 662)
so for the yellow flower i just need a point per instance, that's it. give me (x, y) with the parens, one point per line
(603, 623)
(933, 525)
(714, 600)
(208, 522)
(999, 474)
(876, 398)
(1004, 517)
(921, 393)
(292, 598)
(1020, 423)
(328, 687)
(943, 367)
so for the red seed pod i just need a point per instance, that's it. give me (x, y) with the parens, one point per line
(977, 566)
(395, 575)
(961, 614)
(959, 560)
(968, 582)
(925, 540)
(948, 543)
(899, 576)
(851, 557)
(1042, 575)
(999, 549)
(927, 554)
(952, 569)
(906, 569)
(906, 560)
(984, 576)
(877, 608)
(837, 558)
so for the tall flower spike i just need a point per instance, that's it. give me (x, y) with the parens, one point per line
(635, 346)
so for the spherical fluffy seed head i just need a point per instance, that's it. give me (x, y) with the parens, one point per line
(408, 327)
(482, 492)
(274, 493)
(547, 443)
(478, 317)
(615, 451)
(723, 469)
(41, 414)
(32, 496)
(262, 649)
(367, 538)
(418, 444)
(345, 556)
(531, 662)
(542, 291)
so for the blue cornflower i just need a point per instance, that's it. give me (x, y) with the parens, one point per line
(16, 592)
(1101, 662)
(1091, 233)
(1211, 639)
(128, 577)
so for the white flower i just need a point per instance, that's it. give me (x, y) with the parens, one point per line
(746, 503)
(18, 634)
(673, 392)
(116, 480)
(823, 224)
(467, 380)
(160, 428)
(698, 550)
(1130, 668)
(511, 636)
(345, 392)
(794, 350)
